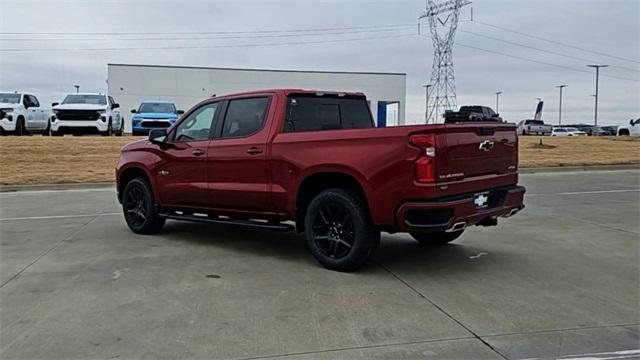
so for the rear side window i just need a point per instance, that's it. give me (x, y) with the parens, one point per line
(33, 101)
(245, 116)
(306, 113)
(489, 112)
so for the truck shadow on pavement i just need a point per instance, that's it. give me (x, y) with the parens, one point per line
(395, 250)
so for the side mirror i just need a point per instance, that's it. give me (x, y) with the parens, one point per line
(133, 111)
(158, 136)
(180, 112)
(54, 104)
(115, 106)
(631, 122)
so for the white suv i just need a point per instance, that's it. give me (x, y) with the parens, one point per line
(87, 113)
(21, 114)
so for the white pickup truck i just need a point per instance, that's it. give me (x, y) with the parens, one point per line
(87, 114)
(631, 129)
(21, 114)
(534, 127)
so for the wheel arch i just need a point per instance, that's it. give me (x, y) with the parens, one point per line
(316, 182)
(130, 173)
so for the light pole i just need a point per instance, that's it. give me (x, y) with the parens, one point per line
(597, 67)
(77, 88)
(426, 113)
(498, 101)
(560, 107)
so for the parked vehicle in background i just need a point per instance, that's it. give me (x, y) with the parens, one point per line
(21, 114)
(471, 113)
(153, 115)
(632, 129)
(610, 130)
(87, 114)
(590, 130)
(559, 131)
(534, 127)
(575, 132)
(264, 158)
(567, 131)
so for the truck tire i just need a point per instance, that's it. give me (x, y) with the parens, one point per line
(47, 131)
(623, 132)
(20, 127)
(437, 238)
(120, 132)
(139, 208)
(109, 131)
(339, 230)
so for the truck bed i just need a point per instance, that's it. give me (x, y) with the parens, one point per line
(383, 161)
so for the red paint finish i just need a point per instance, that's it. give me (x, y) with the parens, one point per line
(426, 167)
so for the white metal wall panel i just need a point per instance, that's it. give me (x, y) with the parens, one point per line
(132, 84)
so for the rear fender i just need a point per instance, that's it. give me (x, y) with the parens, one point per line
(330, 168)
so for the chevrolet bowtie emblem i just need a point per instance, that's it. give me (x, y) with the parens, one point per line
(486, 145)
(481, 200)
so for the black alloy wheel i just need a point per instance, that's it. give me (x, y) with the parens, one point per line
(339, 230)
(139, 208)
(333, 230)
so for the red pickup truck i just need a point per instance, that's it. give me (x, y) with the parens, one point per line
(314, 162)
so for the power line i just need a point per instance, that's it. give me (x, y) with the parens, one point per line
(555, 42)
(209, 47)
(296, 43)
(216, 37)
(542, 50)
(212, 32)
(540, 62)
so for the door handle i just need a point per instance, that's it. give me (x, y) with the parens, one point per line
(197, 152)
(254, 151)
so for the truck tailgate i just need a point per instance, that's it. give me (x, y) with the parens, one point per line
(476, 150)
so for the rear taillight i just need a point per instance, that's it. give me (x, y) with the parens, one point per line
(425, 166)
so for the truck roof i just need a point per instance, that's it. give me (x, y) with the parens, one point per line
(100, 94)
(288, 91)
(157, 101)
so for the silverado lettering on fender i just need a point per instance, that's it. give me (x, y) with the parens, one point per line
(275, 158)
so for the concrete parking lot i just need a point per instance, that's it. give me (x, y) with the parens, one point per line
(561, 279)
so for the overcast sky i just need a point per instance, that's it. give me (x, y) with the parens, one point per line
(607, 26)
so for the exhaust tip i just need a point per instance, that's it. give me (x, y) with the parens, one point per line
(457, 227)
(512, 212)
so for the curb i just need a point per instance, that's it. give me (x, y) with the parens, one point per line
(559, 169)
(68, 186)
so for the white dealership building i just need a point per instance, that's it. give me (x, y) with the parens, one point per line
(131, 84)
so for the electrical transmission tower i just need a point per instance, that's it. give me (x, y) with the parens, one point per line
(443, 22)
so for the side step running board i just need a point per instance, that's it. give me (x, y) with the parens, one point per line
(229, 221)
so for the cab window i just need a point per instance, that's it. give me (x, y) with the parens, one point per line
(245, 117)
(316, 113)
(197, 125)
